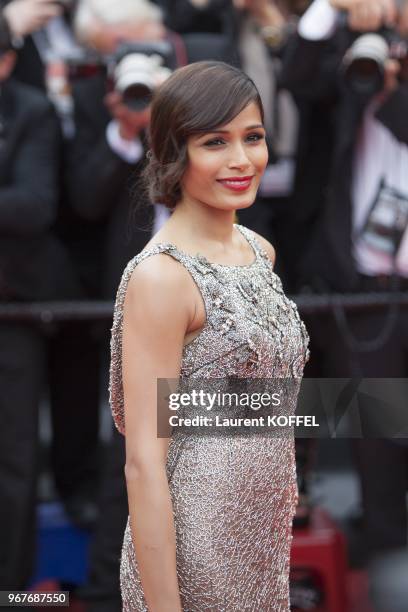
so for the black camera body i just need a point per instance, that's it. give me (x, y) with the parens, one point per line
(135, 70)
(364, 63)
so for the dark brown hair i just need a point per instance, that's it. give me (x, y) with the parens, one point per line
(195, 99)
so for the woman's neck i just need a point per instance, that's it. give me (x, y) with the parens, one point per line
(203, 224)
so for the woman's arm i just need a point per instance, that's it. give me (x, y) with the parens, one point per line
(157, 313)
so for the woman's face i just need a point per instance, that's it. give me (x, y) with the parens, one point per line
(225, 166)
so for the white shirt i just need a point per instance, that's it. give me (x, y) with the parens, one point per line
(319, 22)
(378, 156)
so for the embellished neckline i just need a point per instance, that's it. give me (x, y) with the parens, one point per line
(202, 259)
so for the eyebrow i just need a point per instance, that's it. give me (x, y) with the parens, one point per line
(250, 127)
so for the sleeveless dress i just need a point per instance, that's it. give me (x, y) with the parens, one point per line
(233, 497)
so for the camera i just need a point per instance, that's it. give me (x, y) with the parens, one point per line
(364, 62)
(135, 70)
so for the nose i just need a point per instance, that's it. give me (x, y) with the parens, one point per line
(239, 158)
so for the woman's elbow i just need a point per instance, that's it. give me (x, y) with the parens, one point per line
(133, 471)
(141, 468)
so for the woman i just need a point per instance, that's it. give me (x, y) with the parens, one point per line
(210, 517)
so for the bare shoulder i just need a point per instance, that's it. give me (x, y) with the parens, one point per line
(156, 285)
(267, 246)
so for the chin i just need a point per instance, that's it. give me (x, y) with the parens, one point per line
(235, 205)
(232, 202)
(246, 204)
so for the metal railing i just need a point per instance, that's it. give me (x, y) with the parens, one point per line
(53, 311)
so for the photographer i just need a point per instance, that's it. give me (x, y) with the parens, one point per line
(352, 54)
(34, 266)
(40, 33)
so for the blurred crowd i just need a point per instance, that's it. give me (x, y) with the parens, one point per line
(75, 82)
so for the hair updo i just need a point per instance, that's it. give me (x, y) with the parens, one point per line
(195, 99)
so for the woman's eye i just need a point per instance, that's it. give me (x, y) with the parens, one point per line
(213, 142)
(255, 137)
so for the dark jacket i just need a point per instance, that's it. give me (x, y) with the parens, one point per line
(33, 263)
(5, 34)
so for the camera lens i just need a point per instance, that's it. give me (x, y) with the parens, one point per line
(365, 76)
(137, 96)
(364, 64)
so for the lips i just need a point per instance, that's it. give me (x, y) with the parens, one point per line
(237, 183)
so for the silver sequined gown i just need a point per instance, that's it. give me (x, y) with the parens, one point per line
(233, 497)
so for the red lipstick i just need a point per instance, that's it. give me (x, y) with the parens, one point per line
(237, 183)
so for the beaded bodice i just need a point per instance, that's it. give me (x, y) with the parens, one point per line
(252, 329)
